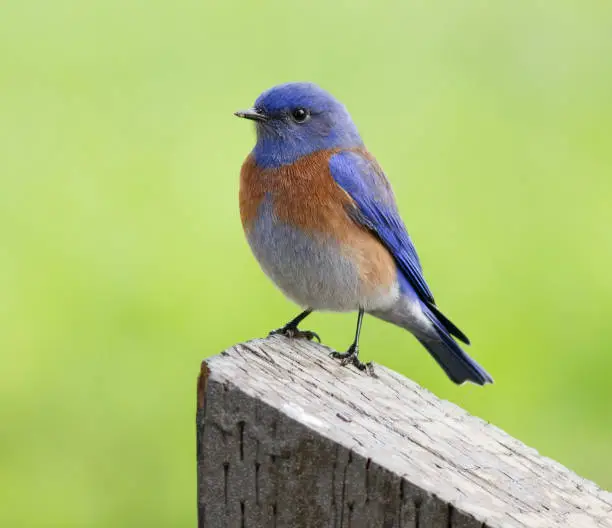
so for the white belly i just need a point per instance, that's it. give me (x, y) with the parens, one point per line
(313, 272)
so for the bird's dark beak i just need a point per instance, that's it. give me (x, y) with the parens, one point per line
(252, 114)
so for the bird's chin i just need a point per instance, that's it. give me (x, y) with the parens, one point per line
(266, 130)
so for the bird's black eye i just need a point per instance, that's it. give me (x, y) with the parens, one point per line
(300, 115)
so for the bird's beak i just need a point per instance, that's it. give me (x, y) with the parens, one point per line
(252, 114)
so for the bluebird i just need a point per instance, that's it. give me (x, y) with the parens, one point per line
(321, 219)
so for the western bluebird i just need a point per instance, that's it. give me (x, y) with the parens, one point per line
(321, 218)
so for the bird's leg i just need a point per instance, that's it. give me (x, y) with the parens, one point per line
(291, 328)
(352, 354)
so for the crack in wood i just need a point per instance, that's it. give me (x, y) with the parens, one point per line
(226, 482)
(343, 501)
(416, 501)
(400, 511)
(257, 499)
(241, 438)
(334, 468)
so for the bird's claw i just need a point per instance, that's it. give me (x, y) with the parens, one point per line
(294, 332)
(351, 356)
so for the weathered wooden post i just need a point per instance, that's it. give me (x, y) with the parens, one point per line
(288, 438)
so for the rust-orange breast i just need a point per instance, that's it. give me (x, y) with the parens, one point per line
(305, 195)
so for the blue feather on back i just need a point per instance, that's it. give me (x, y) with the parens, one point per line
(367, 185)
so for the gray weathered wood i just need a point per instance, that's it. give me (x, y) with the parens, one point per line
(289, 438)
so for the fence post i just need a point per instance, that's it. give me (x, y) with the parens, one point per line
(286, 437)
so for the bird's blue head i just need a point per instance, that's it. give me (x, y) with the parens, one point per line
(296, 119)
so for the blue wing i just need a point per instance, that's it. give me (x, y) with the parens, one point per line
(367, 185)
(365, 182)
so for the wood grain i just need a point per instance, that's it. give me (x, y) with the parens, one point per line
(288, 438)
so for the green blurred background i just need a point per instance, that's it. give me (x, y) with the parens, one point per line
(123, 264)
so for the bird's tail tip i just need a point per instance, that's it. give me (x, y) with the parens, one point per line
(459, 367)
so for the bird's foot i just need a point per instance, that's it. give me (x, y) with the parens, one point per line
(294, 332)
(351, 356)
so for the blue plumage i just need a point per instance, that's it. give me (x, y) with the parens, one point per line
(363, 179)
(458, 366)
(367, 185)
(282, 140)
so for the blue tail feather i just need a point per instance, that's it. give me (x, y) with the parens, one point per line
(447, 324)
(456, 363)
